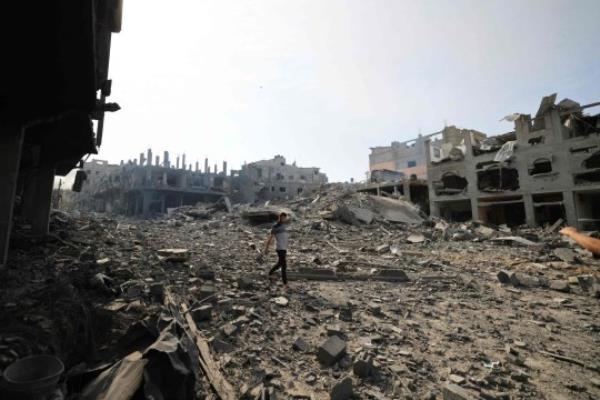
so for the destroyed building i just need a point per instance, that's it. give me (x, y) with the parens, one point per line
(407, 158)
(275, 179)
(52, 100)
(149, 186)
(547, 169)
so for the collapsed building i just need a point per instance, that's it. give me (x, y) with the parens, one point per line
(150, 186)
(275, 179)
(547, 169)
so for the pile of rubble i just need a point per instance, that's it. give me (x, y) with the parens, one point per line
(383, 303)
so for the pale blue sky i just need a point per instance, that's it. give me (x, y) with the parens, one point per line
(321, 81)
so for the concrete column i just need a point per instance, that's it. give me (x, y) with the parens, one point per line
(197, 166)
(206, 170)
(216, 170)
(164, 179)
(474, 208)
(157, 161)
(224, 167)
(166, 162)
(434, 209)
(177, 162)
(142, 159)
(11, 144)
(146, 200)
(40, 215)
(571, 214)
(406, 190)
(149, 157)
(183, 165)
(529, 210)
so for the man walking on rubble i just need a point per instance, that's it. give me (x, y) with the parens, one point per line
(279, 232)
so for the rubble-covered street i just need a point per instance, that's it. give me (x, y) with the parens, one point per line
(382, 304)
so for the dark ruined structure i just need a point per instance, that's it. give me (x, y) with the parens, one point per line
(54, 86)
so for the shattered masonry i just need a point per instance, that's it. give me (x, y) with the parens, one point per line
(547, 169)
(149, 186)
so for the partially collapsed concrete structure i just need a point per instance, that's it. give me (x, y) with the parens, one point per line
(144, 187)
(275, 179)
(547, 169)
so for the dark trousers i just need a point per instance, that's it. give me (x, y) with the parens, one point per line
(281, 263)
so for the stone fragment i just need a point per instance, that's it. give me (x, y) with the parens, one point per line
(174, 254)
(229, 330)
(280, 301)
(345, 314)
(342, 390)
(331, 351)
(202, 313)
(504, 276)
(585, 282)
(245, 283)
(454, 392)
(384, 248)
(220, 346)
(374, 308)
(363, 367)
(207, 291)
(565, 254)
(456, 379)
(560, 285)
(334, 329)
(300, 345)
(415, 238)
(520, 279)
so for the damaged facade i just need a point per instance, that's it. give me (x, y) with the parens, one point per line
(547, 169)
(275, 179)
(150, 186)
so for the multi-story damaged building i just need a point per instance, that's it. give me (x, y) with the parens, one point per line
(275, 179)
(144, 187)
(546, 169)
(409, 158)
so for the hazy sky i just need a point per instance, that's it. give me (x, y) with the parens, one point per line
(321, 81)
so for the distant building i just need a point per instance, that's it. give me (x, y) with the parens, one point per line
(410, 158)
(275, 179)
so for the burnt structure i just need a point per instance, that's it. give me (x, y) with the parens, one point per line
(145, 186)
(55, 84)
(546, 169)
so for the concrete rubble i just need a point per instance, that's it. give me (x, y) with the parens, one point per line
(395, 306)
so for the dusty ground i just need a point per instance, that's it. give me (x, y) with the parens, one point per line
(452, 322)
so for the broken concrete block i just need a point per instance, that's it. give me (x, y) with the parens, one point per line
(345, 314)
(415, 238)
(520, 279)
(560, 285)
(207, 292)
(280, 301)
(229, 330)
(334, 329)
(375, 308)
(300, 345)
(245, 283)
(454, 392)
(331, 351)
(505, 276)
(585, 282)
(202, 313)
(220, 346)
(363, 367)
(397, 275)
(565, 254)
(384, 248)
(174, 254)
(342, 390)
